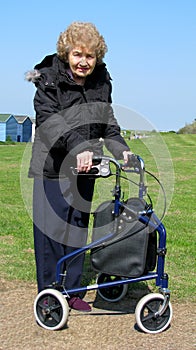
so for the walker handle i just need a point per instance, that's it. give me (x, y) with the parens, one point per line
(101, 166)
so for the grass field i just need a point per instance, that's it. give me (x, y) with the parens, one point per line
(171, 157)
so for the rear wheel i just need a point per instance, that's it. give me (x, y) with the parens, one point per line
(114, 293)
(51, 309)
(146, 314)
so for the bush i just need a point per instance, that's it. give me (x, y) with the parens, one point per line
(188, 128)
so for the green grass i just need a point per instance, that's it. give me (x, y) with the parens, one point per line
(16, 241)
(162, 154)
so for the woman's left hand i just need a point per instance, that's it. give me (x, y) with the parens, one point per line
(126, 155)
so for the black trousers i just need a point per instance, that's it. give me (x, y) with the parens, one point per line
(61, 215)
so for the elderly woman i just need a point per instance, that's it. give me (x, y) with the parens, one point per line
(73, 111)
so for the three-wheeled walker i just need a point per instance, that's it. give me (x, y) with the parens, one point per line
(128, 246)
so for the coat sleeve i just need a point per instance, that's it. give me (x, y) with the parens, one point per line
(51, 122)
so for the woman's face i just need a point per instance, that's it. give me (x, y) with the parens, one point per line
(82, 62)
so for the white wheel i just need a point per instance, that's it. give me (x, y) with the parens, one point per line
(51, 309)
(111, 294)
(145, 316)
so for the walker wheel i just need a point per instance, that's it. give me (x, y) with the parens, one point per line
(111, 294)
(145, 316)
(51, 309)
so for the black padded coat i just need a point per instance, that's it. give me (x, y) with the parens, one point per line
(71, 118)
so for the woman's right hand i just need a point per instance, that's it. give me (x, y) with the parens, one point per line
(84, 161)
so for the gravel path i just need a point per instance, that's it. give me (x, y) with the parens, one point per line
(108, 327)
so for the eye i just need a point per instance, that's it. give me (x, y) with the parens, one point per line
(91, 56)
(76, 53)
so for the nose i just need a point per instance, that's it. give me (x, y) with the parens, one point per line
(83, 61)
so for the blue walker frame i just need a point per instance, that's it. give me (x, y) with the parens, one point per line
(160, 276)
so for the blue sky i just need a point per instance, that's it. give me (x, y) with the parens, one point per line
(151, 53)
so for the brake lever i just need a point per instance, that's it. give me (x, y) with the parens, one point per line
(101, 168)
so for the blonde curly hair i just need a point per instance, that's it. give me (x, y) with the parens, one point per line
(83, 34)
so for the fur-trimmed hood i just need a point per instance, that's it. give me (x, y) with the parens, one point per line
(50, 62)
(32, 75)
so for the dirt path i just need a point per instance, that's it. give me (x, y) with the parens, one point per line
(103, 329)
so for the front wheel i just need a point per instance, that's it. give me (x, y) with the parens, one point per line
(51, 309)
(114, 293)
(146, 314)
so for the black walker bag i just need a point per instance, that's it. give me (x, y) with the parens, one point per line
(132, 252)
